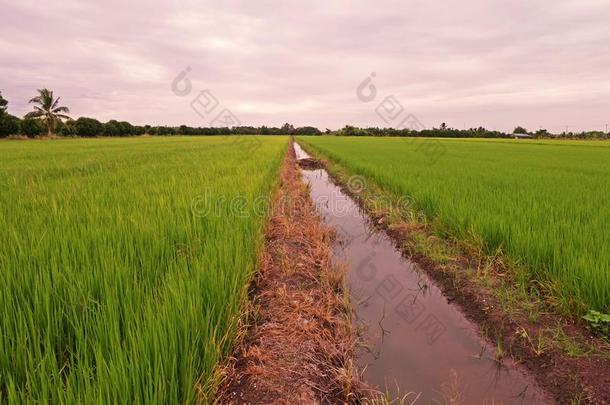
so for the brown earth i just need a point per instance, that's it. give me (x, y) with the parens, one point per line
(300, 344)
(310, 164)
(580, 377)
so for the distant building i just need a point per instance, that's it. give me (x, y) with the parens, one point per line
(522, 136)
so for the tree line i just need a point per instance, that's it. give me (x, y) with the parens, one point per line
(50, 118)
(445, 131)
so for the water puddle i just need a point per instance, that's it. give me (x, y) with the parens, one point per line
(417, 342)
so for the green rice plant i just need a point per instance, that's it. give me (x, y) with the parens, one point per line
(543, 203)
(124, 264)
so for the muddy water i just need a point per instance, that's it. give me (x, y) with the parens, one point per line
(417, 343)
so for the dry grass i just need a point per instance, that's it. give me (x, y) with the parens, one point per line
(300, 346)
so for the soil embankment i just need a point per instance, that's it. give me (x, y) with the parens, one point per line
(300, 343)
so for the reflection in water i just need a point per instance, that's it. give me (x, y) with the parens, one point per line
(415, 339)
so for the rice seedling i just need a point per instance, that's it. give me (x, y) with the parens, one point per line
(124, 264)
(543, 203)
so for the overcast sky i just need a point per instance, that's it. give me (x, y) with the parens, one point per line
(470, 62)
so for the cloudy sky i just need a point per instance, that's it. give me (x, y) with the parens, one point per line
(468, 63)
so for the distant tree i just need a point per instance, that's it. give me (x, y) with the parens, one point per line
(68, 128)
(125, 128)
(443, 127)
(111, 128)
(520, 130)
(221, 131)
(541, 133)
(32, 127)
(9, 125)
(48, 109)
(348, 130)
(307, 131)
(288, 129)
(139, 130)
(245, 130)
(374, 131)
(3, 104)
(184, 130)
(88, 127)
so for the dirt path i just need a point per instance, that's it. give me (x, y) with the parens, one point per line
(299, 347)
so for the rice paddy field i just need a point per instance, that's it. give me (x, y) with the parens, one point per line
(125, 262)
(543, 203)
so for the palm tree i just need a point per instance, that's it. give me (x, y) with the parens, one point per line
(48, 111)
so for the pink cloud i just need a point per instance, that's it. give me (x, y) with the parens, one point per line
(472, 63)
